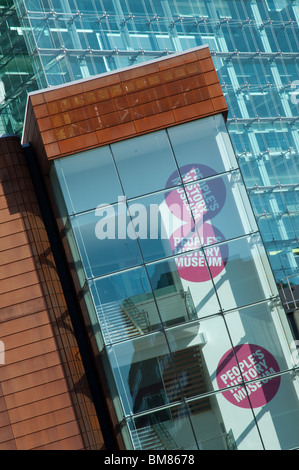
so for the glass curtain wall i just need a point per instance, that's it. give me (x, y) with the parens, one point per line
(255, 50)
(17, 76)
(182, 300)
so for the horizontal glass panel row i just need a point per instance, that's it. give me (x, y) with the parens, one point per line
(120, 236)
(81, 31)
(279, 170)
(181, 289)
(276, 203)
(280, 227)
(91, 178)
(142, 21)
(229, 8)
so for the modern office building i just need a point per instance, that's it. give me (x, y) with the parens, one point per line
(151, 265)
(254, 44)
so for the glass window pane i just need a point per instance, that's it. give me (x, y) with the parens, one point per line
(183, 292)
(203, 146)
(274, 402)
(262, 326)
(140, 368)
(220, 208)
(164, 42)
(197, 348)
(125, 305)
(88, 179)
(279, 420)
(225, 427)
(163, 225)
(140, 41)
(116, 40)
(144, 163)
(168, 429)
(101, 249)
(245, 276)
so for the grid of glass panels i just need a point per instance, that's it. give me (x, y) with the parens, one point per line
(17, 76)
(255, 50)
(181, 296)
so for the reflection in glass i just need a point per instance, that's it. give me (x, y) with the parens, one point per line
(262, 325)
(88, 179)
(125, 305)
(220, 208)
(184, 291)
(201, 345)
(223, 428)
(162, 225)
(137, 161)
(189, 362)
(168, 429)
(140, 368)
(210, 431)
(245, 276)
(101, 248)
(280, 414)
(202, 148)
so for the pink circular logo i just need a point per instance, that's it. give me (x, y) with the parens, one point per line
(195, 205)
(255, 362)
(204, 199)
(194, 266)
(190, 172)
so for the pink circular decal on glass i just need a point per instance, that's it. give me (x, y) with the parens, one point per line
(190, 172)
(204, 198)
(193, 266)
(255, 362)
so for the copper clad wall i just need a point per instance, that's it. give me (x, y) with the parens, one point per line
(123, 104)
(44, 397)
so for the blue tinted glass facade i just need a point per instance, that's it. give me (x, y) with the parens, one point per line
(255, 50)
(17, 76)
